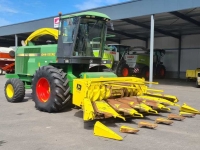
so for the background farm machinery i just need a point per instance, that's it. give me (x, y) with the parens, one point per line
(7, 60)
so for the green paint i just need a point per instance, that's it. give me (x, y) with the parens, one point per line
(70, 77)
(97, 75)
(28, 60)
(88, 13)
(143, 59)
(9, 76)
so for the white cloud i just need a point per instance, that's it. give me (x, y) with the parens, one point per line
(6, 7)
(4, 22)
(88, 4)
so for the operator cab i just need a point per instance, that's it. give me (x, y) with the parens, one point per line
(121, 49)
(78, 37)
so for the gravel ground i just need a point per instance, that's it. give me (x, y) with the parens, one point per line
(24, 127)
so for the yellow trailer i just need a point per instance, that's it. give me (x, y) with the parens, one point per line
(195, 75)
(192, 74)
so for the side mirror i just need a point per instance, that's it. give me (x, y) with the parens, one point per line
(23, 43)
(111, 25)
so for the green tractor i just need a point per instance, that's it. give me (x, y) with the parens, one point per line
(115, 53)
(128, 61)
(49, 69)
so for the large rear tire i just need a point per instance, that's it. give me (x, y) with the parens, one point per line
(14, 90)
(50, 89)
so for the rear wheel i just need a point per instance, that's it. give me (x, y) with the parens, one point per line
(145, 72)
(14, 90)
(50, 89)
(123, 70)
(160, 72)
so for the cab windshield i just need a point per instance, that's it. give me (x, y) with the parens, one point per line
(90, 37)
(118, 48)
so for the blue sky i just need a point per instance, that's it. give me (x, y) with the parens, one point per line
(16, 11)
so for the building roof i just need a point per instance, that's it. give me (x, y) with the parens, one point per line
(131, 20)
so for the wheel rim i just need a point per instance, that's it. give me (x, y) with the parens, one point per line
(43, 90)
(9, 90)
(147, 74)
(125, 72)
(162, 72)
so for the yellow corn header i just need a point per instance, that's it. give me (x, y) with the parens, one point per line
(124, 97)
(121, 97)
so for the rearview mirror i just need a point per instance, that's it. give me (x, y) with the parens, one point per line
(111, 25)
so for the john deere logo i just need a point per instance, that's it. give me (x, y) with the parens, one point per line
(78, 87)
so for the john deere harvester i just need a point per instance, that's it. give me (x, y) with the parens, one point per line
(58, 74)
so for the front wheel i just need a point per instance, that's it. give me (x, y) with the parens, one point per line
(14, 90)
(50, 89)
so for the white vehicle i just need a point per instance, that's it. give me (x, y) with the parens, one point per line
(198, 80)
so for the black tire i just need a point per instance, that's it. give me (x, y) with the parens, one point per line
(59, 97)
(119, 71)
(18, 90)
(197, 86)
(160, 72)
(1, 71)
(145, 73)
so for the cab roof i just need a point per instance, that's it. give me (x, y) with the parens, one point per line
(87, 13)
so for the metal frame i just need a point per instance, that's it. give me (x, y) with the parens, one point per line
(184, 17)
(151, 51)
(148, 27)
(127, 34)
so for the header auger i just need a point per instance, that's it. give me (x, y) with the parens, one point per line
(59, 74)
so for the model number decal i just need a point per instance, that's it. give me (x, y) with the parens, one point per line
(47, 54)
(37, 54)
(79, 87)
(130, 56)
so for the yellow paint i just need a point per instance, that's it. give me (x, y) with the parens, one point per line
(88, 111)
(47, 54)
(144, 108)
(188, 109)
(106, 108)
(37, 54)
(103, 131)
(40, 32)
(162, 107)
(185, 114)
(10, 90)
(87, 91)
(171, 98)
(157, 99)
